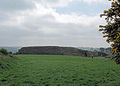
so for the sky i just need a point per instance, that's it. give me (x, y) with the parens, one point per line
(52, 23)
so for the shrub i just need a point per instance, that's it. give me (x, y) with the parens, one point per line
(112, 29)
(4, 51)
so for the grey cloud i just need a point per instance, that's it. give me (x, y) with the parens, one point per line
(21, 37)
(42, 30)
(3, 17)
(15, 5)
(67, 33)
(9, 9)
(48, 21)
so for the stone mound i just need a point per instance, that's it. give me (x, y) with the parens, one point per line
(55, 50)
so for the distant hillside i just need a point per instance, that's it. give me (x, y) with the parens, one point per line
(11, 49)
(104, 50)
(89, 48)
(55, 50)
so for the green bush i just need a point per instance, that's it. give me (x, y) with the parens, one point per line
(4, 51)
(10, 53)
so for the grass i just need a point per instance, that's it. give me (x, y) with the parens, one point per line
(6, 62)
(53, 70)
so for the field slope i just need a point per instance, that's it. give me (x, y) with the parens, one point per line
(53, 70)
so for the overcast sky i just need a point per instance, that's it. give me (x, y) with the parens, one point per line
(52, 22)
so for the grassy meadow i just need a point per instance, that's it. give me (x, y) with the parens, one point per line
(56, 70)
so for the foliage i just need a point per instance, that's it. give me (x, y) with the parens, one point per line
(55, 70)
(4, 51)
(112, 29)
(10, 53)
(6, 62)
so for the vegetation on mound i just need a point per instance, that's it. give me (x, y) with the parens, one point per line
(56, 70)
(4, 52)
(5, 62)
(6, 59)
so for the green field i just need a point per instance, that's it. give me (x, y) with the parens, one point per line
(53, 70)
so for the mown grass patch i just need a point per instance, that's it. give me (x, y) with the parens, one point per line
(56, 70)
